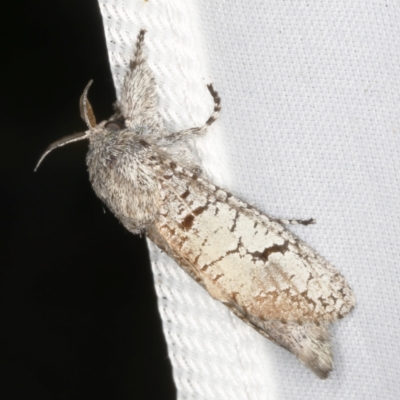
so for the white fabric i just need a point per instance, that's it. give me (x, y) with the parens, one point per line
(310, 127)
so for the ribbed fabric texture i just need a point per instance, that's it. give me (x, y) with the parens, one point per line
(310, 127)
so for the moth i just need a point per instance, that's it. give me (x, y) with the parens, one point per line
(247, 260)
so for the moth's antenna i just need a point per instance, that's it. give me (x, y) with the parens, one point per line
(62, 142)
(86, 108)
(86, 114)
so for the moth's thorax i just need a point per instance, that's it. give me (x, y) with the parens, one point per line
(121, 174)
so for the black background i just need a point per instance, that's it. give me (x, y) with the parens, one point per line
(78, 311)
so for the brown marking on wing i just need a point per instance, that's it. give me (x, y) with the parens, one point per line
(187, 222)
(199, 210)
(276, 248)
(185, 194)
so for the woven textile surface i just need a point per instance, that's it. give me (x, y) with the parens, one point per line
(310, 127)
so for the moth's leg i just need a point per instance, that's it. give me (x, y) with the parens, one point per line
(187, 133)
(295, 221)
(217, 107)
(138, 55)
(138, 104)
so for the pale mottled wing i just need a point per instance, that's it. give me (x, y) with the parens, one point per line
(244, 258)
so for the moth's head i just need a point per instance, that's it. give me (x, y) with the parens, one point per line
(87, 115)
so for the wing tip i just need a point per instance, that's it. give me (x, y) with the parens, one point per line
(314, 349)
